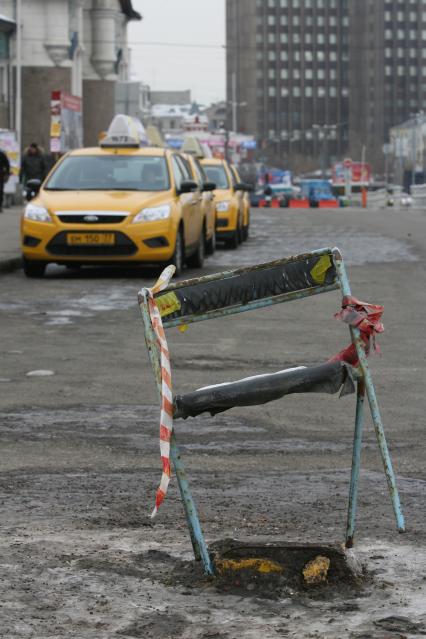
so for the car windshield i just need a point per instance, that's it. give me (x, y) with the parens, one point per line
(110, 173)
(216, 174)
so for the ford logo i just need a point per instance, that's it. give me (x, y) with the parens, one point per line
(91, 218)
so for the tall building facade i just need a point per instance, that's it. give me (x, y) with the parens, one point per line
(321, 79)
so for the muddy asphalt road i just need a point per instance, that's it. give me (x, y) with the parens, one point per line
(80, 557)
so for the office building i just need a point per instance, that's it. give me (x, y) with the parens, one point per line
(316, 80)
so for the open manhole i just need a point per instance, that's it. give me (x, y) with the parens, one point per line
(271, 566)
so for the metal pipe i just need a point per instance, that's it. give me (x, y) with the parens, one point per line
(372, 399)
(197, 538)
(356, 463)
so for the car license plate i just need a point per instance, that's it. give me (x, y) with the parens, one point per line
(94, 239)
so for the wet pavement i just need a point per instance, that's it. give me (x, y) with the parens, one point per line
(80, 556)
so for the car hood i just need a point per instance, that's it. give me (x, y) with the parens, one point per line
(128, 201)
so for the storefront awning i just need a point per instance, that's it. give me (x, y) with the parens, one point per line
(7, 24)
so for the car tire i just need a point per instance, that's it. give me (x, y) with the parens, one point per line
(240, 231)
(196, 260)
(33, 268)
(246, 230)
(236, 239)
(210, 246)
(178, 255)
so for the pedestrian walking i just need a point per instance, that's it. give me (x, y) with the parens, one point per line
(4, 175)
(33, 166)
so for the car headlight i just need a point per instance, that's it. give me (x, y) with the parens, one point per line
(222, 207)
(36, 213)
(153, 214)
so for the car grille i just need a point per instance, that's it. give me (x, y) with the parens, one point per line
(221, 222)
(91, 217)
(123, 246)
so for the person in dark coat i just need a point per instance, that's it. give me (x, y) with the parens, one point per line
(33, 165)
(4, 175)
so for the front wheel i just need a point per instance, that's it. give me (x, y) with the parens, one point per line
(197, 259)
(210, 247)
(177, 258)
(246, 232)
(33, 268)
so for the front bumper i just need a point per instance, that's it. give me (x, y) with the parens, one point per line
(146, 242)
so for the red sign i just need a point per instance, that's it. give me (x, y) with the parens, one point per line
(66, 130)
(360, 173)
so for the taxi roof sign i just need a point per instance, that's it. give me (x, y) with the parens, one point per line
(192, 146)
(125, 131)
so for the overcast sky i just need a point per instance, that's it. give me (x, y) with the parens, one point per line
(186, 22)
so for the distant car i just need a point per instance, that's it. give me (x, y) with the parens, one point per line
(208, 206)
(316, 191)
(245, 201)
(229, 206)
(406, 199)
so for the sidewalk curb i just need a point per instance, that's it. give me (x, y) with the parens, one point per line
(11, 264)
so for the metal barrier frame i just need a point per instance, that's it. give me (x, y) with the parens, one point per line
(365, 386)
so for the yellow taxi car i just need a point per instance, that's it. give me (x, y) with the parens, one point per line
(117, 203)
(229, 205)
(245, 202)
(208, 206)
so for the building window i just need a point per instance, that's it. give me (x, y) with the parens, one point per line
(272, 92)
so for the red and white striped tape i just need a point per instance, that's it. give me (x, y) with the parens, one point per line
(166, 415)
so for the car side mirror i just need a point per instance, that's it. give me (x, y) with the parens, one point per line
(243, 186)
(187, 186)
(32, 187)
(209, 186)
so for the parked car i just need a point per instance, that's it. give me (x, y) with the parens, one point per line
(316, 191)
(244, 195)
(120, 202)
(229, 206)
(208, 205)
